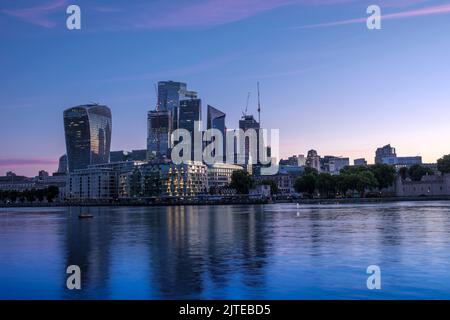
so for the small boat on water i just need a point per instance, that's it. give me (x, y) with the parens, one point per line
(85, 216)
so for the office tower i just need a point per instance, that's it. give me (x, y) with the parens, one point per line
(333, 165)
(216, 120)
(361, 162)
(159, 124)
(62, 166)
(170, 93)
(313, 160)
(190, 111)
(88, 135)
(385, 154)
(301, 160)
(295, 160)
(189, 118)
(249, 122)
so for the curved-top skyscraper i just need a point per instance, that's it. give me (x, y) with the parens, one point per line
(88, 135)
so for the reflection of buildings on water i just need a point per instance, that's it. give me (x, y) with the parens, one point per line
(192, 251)
(88, 245)
(173, 238)
(195, 249)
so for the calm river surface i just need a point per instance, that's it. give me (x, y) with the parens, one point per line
(228, 252)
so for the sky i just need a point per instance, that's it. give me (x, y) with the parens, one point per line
(327, 81)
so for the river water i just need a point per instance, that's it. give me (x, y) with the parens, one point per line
(275, 251)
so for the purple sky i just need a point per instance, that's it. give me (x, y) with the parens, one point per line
(327, 81)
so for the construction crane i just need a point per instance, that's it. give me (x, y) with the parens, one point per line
(259, 105)
(246, 106)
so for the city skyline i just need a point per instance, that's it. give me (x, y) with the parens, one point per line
(342, 90)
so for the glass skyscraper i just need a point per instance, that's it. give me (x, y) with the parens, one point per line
(189, 112)
(190, 116)
(159, 124)
(88, 135)
(216, 120)
(170, 93)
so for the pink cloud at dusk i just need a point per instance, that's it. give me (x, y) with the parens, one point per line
(28, 167)
(26, 162)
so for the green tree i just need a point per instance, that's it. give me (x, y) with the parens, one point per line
(384, 173)
(13, 195)
(21, 197)
(40, 195)
(403, 172)
(273, 185)
(309, 170)
(30, 195)
(51, 193)
(365, 180)
(351, 181)
(326, 185)
(443, 164)
(340, 182)
(241, 181)
(353, 170)
(416, 172)
(357, 179)
(306, 184)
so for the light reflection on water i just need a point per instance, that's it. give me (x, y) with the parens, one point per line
(228, 252)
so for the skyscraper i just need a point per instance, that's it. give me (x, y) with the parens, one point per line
(189, 117)
(159, 125)
(88, 135)
(249, 122)
(189, 112)
(216, 120)
(62, 166)
(170, 93)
